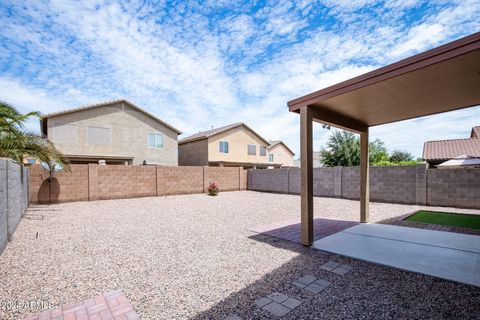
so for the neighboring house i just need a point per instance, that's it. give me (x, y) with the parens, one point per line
(232, 145)
(436, 152)
(118, 132)
(279, 152)
(317, 160)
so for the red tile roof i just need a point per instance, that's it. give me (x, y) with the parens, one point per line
(475, 132)
(449, 149)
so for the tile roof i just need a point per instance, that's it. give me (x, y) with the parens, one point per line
(210, 133)
(448, 149)
(475, 132)
(273, 143)
(105, 103)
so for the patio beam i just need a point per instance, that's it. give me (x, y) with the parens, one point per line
(306, 158)
(364, 177)
(338, 120)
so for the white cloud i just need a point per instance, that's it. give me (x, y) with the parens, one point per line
(194, 67)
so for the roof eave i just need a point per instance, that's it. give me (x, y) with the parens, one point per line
(418, 61)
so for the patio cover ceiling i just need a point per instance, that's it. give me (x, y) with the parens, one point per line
(442, 79)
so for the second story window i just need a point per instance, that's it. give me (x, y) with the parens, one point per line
(65, 133)
(98, 136)
(263, 150)
(252, 149)
(155, 140)
(270, 157)
(223, 146)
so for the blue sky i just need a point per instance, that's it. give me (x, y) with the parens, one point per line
(198, 64)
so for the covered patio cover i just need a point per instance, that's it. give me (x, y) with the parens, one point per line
(442, 79)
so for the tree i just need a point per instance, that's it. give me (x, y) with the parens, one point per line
(16, 142)
(377, 151)
(343, 149)
(400, 156)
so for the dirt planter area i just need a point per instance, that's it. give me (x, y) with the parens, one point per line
(193, 256)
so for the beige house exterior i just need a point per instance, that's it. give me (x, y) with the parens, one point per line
(232, 145)
(279, 152)
(117, 131)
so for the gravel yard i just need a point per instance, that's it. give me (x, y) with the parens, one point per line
(193, 256)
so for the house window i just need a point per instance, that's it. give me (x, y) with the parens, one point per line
(223, 146)
(98, 136)
(155, 140)
(65, 133)
(263, 150)
(252, 149)
(270, 157)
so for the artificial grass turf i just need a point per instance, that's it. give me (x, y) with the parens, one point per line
(446, 218)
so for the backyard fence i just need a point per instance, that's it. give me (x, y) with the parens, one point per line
(88, 182)
(396, 184)
(13, 198)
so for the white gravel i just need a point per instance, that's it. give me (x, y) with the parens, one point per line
(193, 256)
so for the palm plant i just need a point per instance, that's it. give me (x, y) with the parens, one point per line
(17, 143)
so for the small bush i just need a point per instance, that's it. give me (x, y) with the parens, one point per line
(212, 189)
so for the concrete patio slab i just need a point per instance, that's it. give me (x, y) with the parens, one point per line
(446, 255)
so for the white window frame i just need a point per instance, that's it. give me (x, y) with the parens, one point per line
(155, 140)
(55, 123)
(220, 148)
(109, 136)
(271, 157)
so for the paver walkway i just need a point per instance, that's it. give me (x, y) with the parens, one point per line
(290, 230)
(447, 255)
(108, 306)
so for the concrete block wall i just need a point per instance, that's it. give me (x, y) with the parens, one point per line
(3, 205)
(325, 182)
(13, 198)
(454, 188)
(119, 182)
(350, 183)
(293, 180)
(179, 180)
(64, 187)
(227, 178)
(243, 179)
(269, 180)
(396, 184)
(393, 184)
(94, 182)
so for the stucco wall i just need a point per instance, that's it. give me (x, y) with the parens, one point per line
(238, 138)
(281, 155)
(13, 198)
(193, 153)
(129, 130)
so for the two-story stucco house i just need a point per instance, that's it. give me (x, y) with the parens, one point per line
(118, 132)
(279, 152)
(232, 145)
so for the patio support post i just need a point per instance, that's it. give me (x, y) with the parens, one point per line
(364, 177)
(306, 158)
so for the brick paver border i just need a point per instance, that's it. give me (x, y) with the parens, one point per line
(290, 230)
(113, 305)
